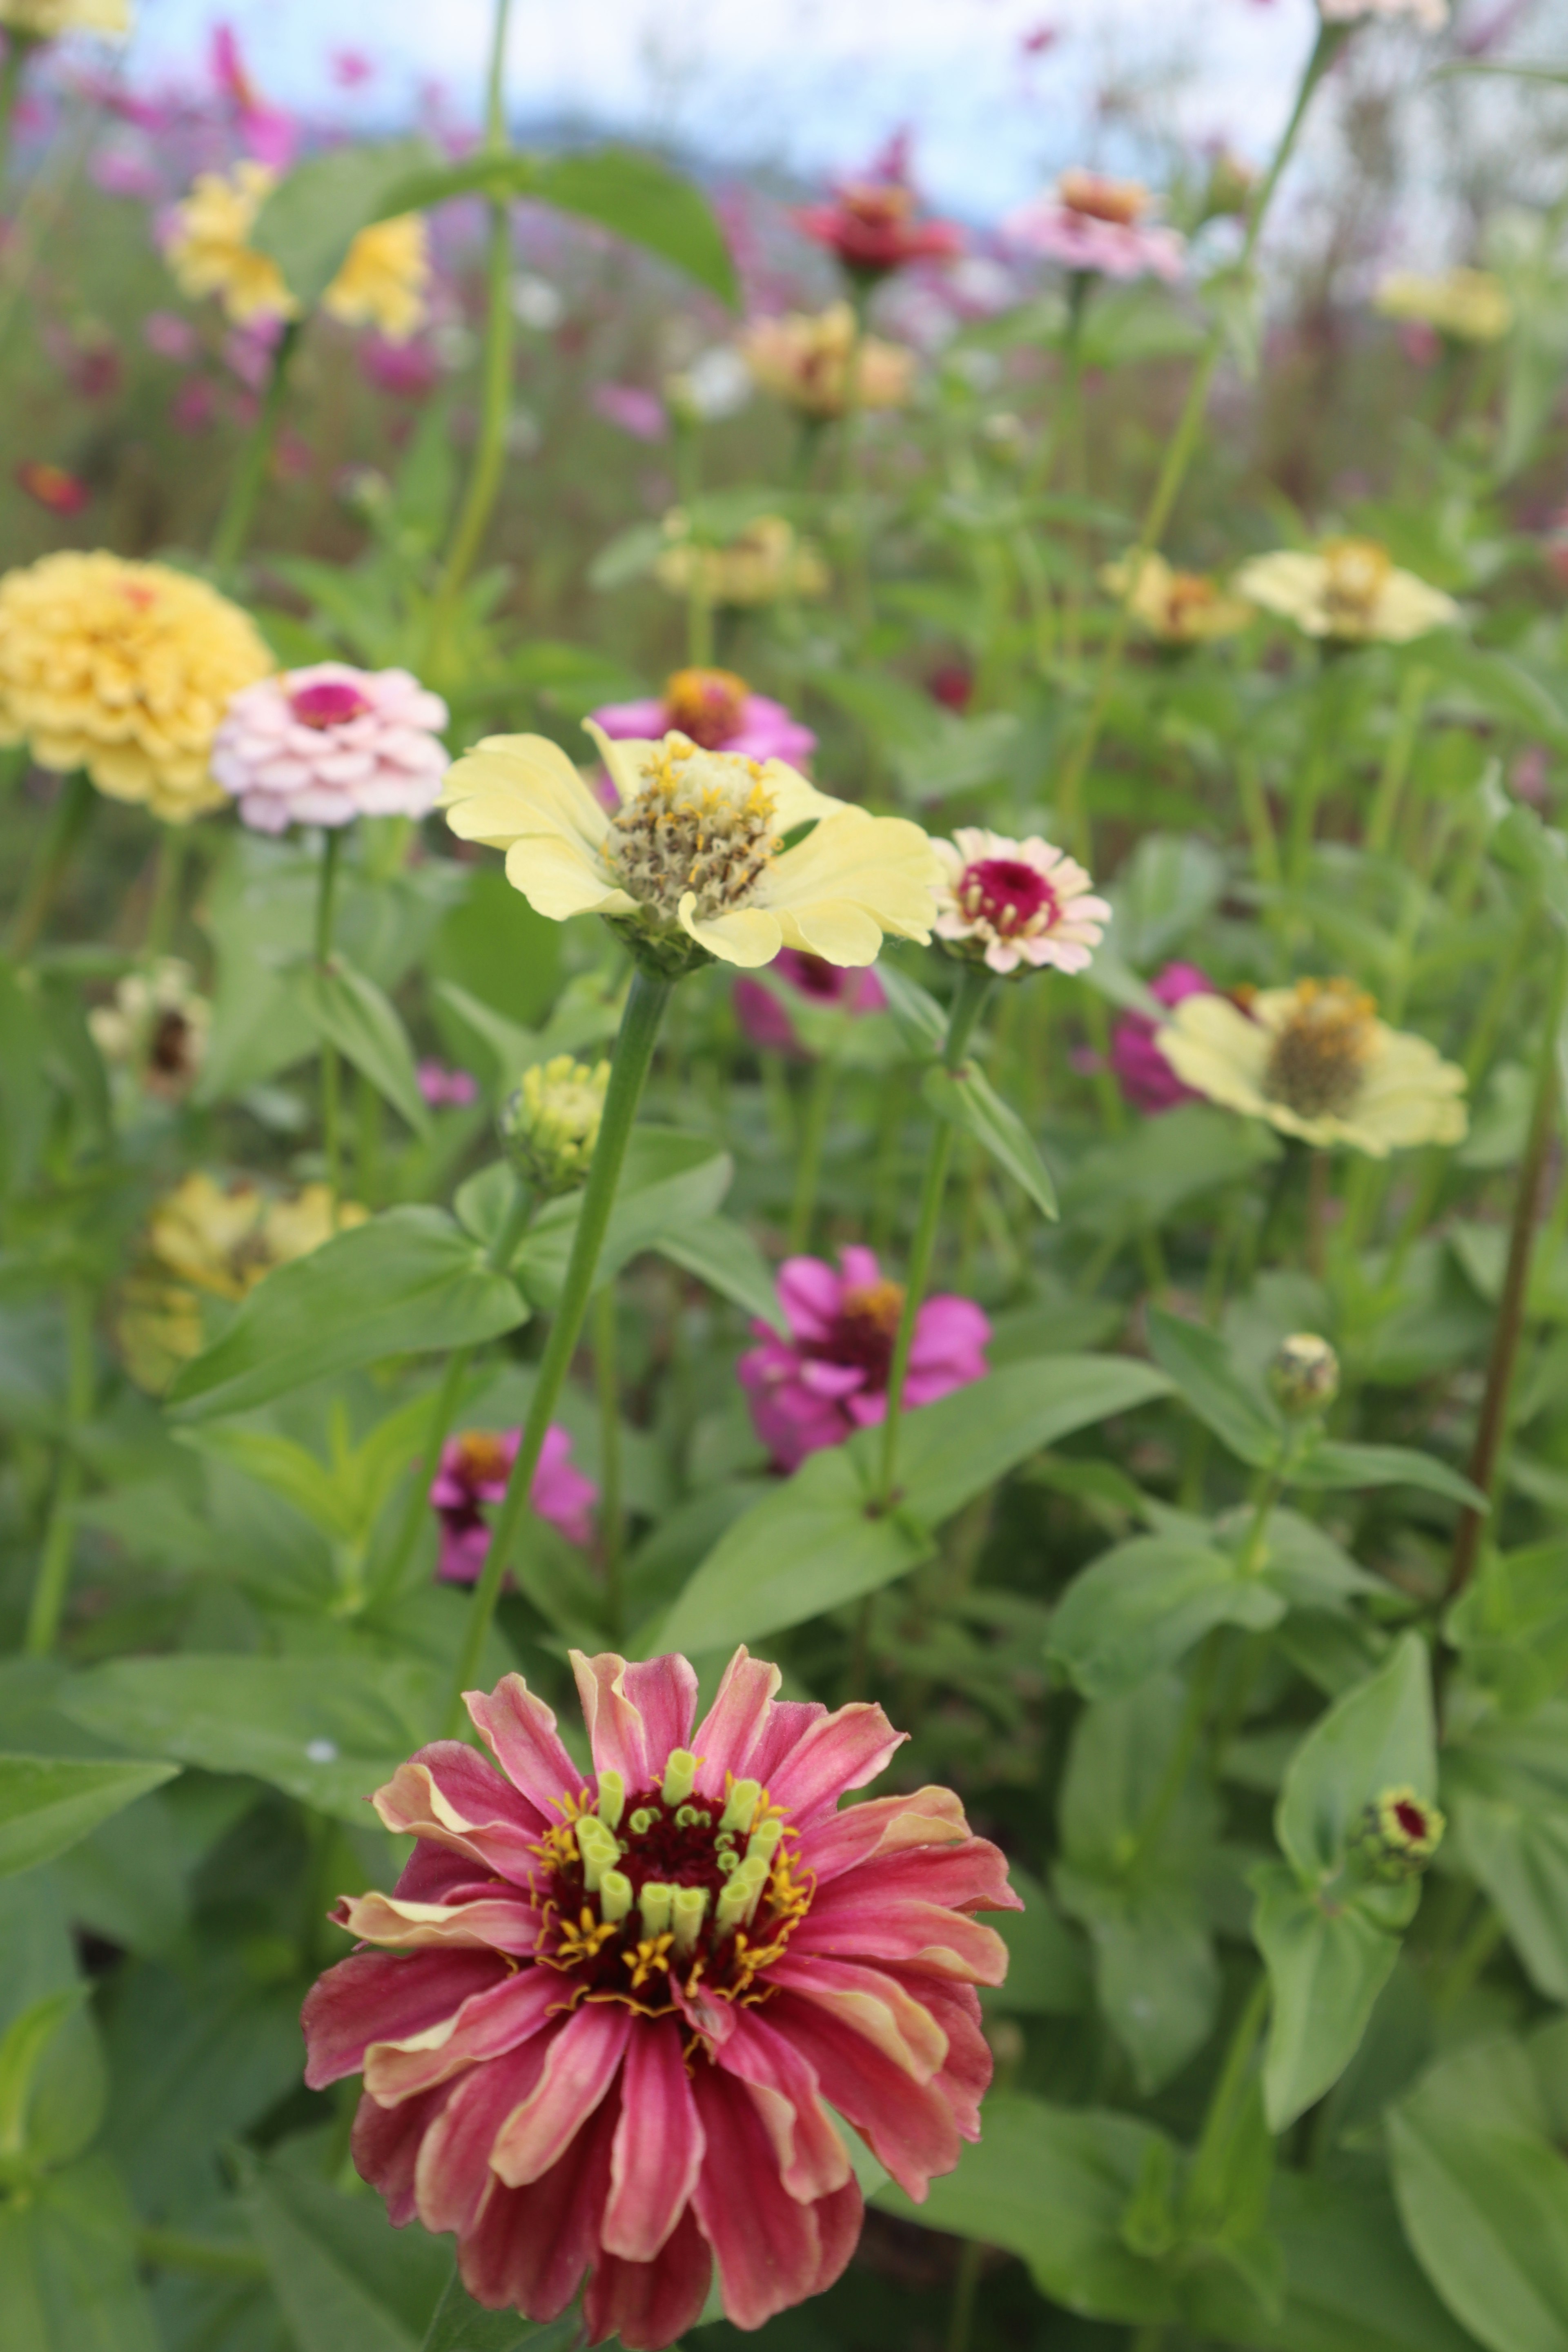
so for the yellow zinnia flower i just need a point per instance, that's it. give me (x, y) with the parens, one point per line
(1470, 305)
(804, 361)
(765, 563)
(1349, 591)
(124, 669)
(381, 282)
(1315, 1062)
(51, 20)
(1180, 608)
(692, 857)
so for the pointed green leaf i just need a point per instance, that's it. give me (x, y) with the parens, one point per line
(722, 1255)
(1222, 1396)
(313, 215)
(1331, 1464)
(1379, 1735)
(1140, 1608)
(48, 1802)
(351, 1012)
(1327, 1964)
(967, 1098)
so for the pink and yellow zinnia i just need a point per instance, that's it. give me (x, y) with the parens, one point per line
(612, 2012)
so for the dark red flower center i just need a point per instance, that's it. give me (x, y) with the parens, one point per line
(708, 705)
(330, 702)
(812, 977)
(1411, 1817)
(484, 1458)
(863, 1331)
(1008, 894)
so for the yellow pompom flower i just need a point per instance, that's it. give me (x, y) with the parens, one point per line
(380, 284)
(1315, 1062)
(1180, 608)
(1349, 591)
(1470, 305)
(765, 563)
(51, 20)
(124, 669)
(805, 359)
(218, 1241)
(693, 857)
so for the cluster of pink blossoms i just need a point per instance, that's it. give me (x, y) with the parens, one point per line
(610, 2012)
(327, 744)
(1144, 1076)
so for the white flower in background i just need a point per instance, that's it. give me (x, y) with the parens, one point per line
(1350, 590)
(1010, 903)
(536, 303)
(717, 384)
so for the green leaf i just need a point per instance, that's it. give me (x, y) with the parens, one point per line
(1052, 2185)
(24, 2046)
(722, 1255)
(461, 2325)
(1202, 1368)
(1483, 2194)
(1518, 1856)
(351, 1012)
(48, 1802)
(342, 2273)
(1138, 1609)
(1156, 1981)
(1048, 1975)
(311, 218)
(920, 1021)
(328, 1732)
(967, 1099)
(670, 1181)
(1328, 1464)
(1379, 1735)
(1327, 1964)
(405, 1283)
(67, 2267)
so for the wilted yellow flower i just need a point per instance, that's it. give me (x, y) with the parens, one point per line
(1180, 608)
(805, 359)
(156, 1028)
(381, 282)
(51, 20)
(1470, 305)
(693, 857)
(1350, 590)
(124, 669)
(217, 1240)
(1315, 1062)
(765, 563)
(550, 1123)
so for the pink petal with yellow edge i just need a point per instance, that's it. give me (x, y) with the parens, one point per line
(965, 2078)
(921, 1935)
(647, 2306)
(528, 2248)
(503, 1925)
(870, 2003)
(635, 1714)
(836, 1753)
(884, 1825)
(520, 1732)
(455, 1798)
(658, 2145)
(385, 2144)
(377, 1997)
(840, 2220)
(907, 2124)
(968, 1876)
(768, 2247)
(812, 2159)
(581, 2064)
(454, 2167)
(434, 1873)
(487, 2026)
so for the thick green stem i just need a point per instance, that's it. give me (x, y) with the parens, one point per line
(1178, 457)
(163, 903)
(808, 1152)
(331, 1073)
(232, 535)
(178, 2250)
(1511, 1320)
(606, 1381)
(54, 1566)
(640, 1023)
(67, 822)
(973, 987)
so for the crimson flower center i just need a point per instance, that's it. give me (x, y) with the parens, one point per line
(331, 702)
(863, 1331)
(708, 705)
(1411, 1818)
(1008, 894)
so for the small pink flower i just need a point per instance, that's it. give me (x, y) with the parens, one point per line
(194, 406)
(1097, 226)
(325, 745)
(1006, 903)
(766, 1022)
(1144, 1076)
(871, 226)
(830, 1378)
(447, 1089)
(351, 68)
(631, 410)
(171, 337)
(716, 709)
(617, 2015)
(475, 1468)
(269, 134)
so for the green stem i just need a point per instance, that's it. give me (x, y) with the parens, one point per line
(808, 1154)
(1203, 2209)
(851, 473)
(232, 534)
(611, 1517)
(178, 2250)
(164, 906)
(1260, 824)
(973, 987)
(966, 2279)
(1179, 1762)
(18, 48)
(1513, 1306)
(640, 1023)
(495, 408)
(1179, 454)
(67, 822)
(54, 1566)
(332, 1075)
(1396, 760)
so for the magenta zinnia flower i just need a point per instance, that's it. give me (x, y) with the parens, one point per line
(612, 2008)
(716, 709)
(871, 226)
(767, 1023)
(475, 1468)
(1008, 904)
(1144, 1076)
(323, 745)
(830, 1378)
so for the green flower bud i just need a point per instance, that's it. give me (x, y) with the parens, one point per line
(1397, 1835)
(1304, 1376)
(550, 1123)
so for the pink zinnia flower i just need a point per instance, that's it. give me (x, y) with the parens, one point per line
(323, 745)
(830, 1378)
(716, 709)
(871, 226)
(475, 1468)
(443, 1088)
(767, 1023)
(631, 409)
(1097, 225)
(53, 486)
(1144, 1076)
(1005, 903)
(172, 337)
(611, 2008)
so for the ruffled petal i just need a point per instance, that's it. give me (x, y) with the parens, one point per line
(580, 2065)
(378, 1997)
(812, 2159)
(527, 2249)
(457, 1799)
(647, 2306)
(512, 787)
(747, 936)
(454, 2171)
(636, 1714)
(853, 874)
(488, 2024)
(560, 881)
(520, 1732)
(658, 2145)
(767, 2246)
(852, 1924)
(883, 1825)
(500, 1923)
(908, 2123)
(869, 2002)
(834, 1753)
(385, 2144)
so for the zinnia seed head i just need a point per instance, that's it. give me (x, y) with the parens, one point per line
(703, 824)
(1319, 1055)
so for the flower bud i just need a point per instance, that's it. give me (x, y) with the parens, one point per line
(1397, 1835)
(549, 1124)
(1304, 1375)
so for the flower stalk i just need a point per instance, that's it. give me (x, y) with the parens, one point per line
(49, 1599)
(67, 822)
(232, 535)
(332, 1075)
(18, 48)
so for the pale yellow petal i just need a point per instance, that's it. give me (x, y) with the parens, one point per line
(560, 879)
(624, 761)
(747, 936)
(510, 787)
(1213, 1046)
(884, 866)
(796, 800)
(1407, 608)
(836, 929)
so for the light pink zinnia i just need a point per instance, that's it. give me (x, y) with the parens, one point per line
(475, 1467)
(323, 745)
(1005, 903)
(1142, 1072)
(613, 2009)
(716, 709)
(766, 1022)
(1097, 226)
(830, 1378)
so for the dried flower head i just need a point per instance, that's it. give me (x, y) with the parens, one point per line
(156, 1027)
